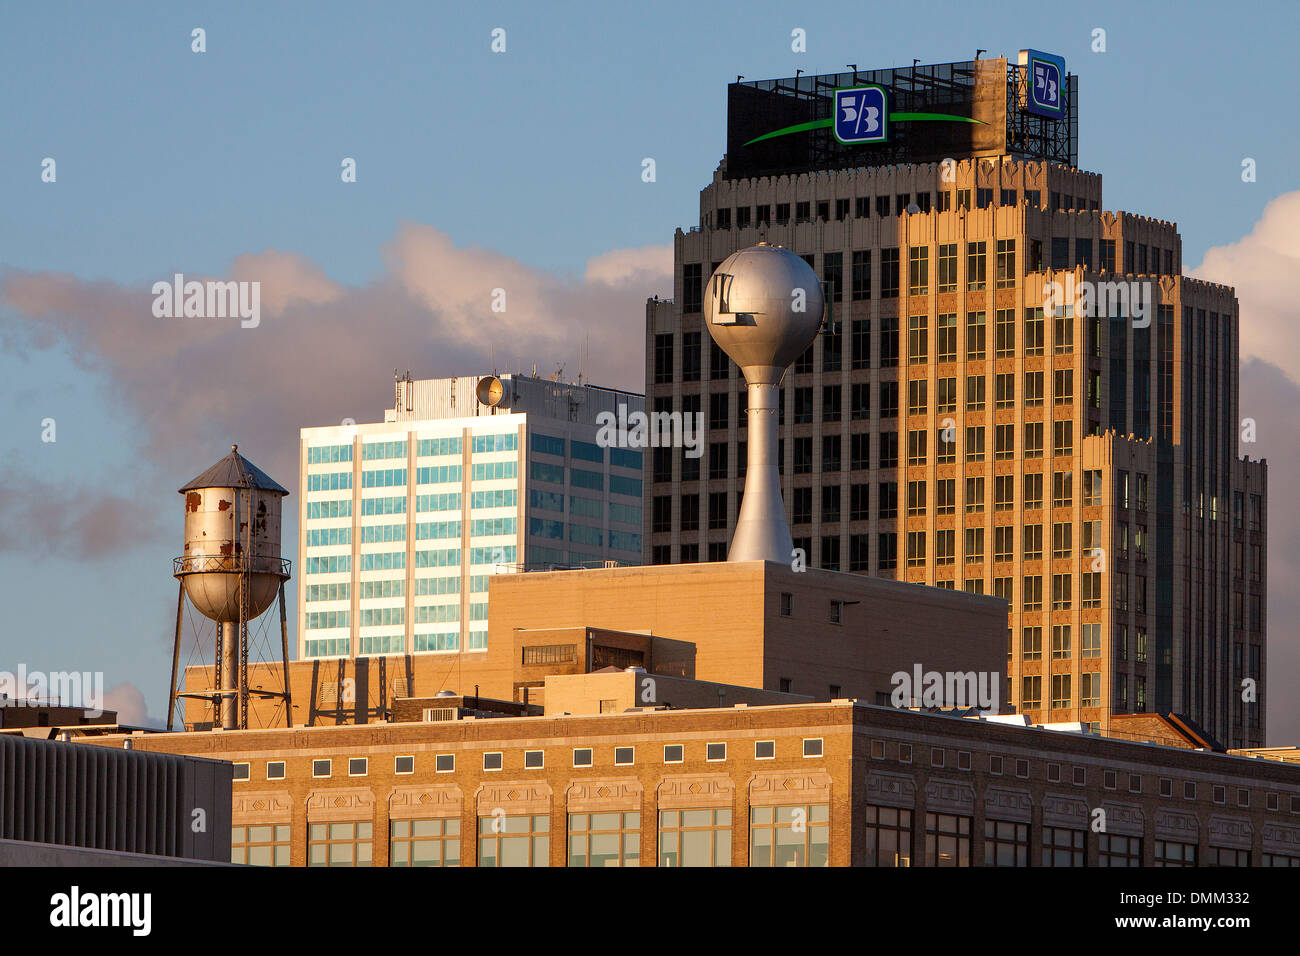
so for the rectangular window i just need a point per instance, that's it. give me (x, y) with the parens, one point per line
(695, 837)
(514, 840)
(1006, 843)
(260, 844)
(889, 835)
(975, 340)
(976, 266)
(889, 273)
(1006, 267)
(605, 839)
(790, 835)
(947, 840)
(947, 259)
(340, 844)
(425, 842)
(918, 270)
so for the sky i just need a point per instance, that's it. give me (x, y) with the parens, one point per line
(477, 169)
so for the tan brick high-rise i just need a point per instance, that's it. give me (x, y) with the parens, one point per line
(944, 430)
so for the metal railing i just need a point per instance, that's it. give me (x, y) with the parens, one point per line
(230, 564)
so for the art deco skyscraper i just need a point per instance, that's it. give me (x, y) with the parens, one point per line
(945, 428)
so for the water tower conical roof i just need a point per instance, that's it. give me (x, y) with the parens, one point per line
(234, 471)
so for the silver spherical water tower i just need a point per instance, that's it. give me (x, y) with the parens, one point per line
(763, 308)
(232, 572)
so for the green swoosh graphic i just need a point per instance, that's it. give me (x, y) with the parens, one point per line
(830, 121)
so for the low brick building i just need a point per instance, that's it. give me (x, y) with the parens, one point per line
(823, 783)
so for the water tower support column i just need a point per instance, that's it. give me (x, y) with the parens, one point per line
(762, 533)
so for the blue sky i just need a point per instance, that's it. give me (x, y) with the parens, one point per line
(169, 161)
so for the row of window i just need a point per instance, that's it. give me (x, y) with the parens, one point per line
(797, 835)
(947, 842)
(1053, 773)
(715, 752)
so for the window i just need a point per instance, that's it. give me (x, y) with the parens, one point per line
(241, 771)
(357, 766)
(975, 336)
(812, 747)
(695, 837)
(1006, 266)
(947, 260)
(260, 844)
(320, 768)
(975, 386)
(1031, 692)
(514, 840)
(947, 840)
(946, 337)
(1032, 593)
(1169, 853)
(1061, 697)
(918, 330)
(889, 836)
(1031, 642)
(764, 749)
(976, 266)
(888, 271)
(790, 835)
(918, 270)
(1114, 850)
(424, 842)
(275, 770)
(1005, 333)
(340, 844)
(1033, 331)
(444, 763)
(534, 759)
(861, 278)
(1063, 846)
(605, 839)
(673, 753)
(492, 761)
(715, 752)
(1006, 843)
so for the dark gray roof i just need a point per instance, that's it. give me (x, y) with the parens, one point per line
(234, 471)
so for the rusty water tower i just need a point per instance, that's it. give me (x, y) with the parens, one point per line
(232, 573)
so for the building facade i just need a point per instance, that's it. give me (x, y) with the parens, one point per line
(958, 424)
(402, 522)
(813, 784)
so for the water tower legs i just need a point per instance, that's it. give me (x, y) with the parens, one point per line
(229, 673)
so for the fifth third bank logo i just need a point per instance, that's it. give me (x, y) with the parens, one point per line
(861, 115)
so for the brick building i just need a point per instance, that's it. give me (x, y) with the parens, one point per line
(836, 783)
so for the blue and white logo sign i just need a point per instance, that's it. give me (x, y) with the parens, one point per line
(861, 115)
(1046, 76)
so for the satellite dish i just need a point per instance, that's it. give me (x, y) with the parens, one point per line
(490, 390)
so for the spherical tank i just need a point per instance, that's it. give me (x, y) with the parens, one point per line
(763, 307)
(232, 521)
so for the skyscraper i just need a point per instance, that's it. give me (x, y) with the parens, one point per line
(970, 417)
(403, 521)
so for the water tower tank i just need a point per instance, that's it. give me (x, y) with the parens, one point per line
(763, 307)
(232, 523)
